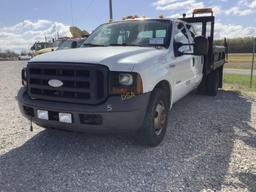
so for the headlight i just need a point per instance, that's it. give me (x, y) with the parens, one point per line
(122, 83)
(125, 79)
(24, 77)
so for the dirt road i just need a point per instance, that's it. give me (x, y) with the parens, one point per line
(239, 71)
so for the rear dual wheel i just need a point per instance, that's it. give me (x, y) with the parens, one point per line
(210, 84)
(213, 83)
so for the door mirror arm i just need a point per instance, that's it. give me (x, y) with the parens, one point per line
(178, 45)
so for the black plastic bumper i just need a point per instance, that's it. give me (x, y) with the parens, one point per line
(115, 114)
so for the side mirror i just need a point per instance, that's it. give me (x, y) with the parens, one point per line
(201, 45)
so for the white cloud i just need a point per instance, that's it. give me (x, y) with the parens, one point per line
(22, 35)
(243, 8)
(233, 31)
(163, 2)
(176, 4)
(175, 16)
(184, 6)
(217, 10)
(239, 8)
(238, 11)
(253, 5)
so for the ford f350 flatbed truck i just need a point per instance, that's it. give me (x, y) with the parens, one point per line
(126, 77)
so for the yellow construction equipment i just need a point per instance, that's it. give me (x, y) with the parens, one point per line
(78, 33)
(44, 47)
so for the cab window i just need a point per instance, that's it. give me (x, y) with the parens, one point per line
(181, 36)
(192, 31)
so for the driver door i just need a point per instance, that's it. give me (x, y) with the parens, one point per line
(182, 72)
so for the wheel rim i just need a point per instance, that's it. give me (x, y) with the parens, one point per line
(160, 118)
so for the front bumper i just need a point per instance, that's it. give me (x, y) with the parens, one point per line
(116, 114)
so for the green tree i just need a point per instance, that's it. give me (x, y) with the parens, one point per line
(238, 45)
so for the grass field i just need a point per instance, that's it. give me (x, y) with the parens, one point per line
(239, 83)
(240, 57)
(240, 61)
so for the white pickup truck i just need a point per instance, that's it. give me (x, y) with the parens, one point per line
(126, 77)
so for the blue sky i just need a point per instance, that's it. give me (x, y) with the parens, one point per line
(27, 20)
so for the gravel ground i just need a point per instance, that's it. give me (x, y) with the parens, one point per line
(210, 146)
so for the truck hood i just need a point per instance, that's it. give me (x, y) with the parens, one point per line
(116, 58)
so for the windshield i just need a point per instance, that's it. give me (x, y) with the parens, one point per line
(143, 33)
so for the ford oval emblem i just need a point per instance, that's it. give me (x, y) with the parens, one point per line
(55, 83)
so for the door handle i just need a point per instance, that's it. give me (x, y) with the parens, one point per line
(193, 60)
(172, 65)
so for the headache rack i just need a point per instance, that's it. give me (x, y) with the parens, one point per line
(82, 83)
(216, 55)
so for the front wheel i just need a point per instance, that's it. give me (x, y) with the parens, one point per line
(154, 129)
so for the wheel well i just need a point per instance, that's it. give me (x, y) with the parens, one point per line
(164, 85)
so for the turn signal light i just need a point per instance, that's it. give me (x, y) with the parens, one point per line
(139, 86)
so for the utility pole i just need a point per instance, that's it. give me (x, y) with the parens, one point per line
(253, 55)
(110, 11)
(71, 9)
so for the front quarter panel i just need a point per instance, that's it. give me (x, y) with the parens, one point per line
(154, 69)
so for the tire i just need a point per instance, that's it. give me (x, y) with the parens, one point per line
(155, 123)
(213, 83)
(202, 88)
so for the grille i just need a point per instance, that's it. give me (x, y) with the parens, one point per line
(82, 83)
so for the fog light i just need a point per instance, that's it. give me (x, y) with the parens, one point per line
(65, 117)
(41, 114)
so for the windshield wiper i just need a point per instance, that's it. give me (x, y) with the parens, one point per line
(113, 44)
(93, 45)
